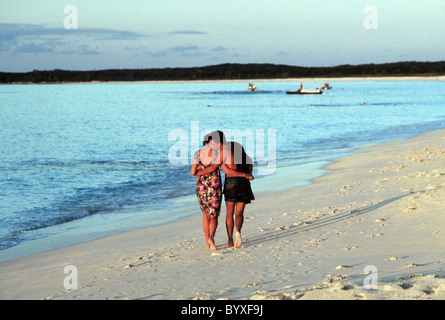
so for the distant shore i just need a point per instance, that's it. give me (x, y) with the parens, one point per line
(234, 72)
(320, 79)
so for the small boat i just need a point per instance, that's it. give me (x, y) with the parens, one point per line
(326, 86)
(301, 91)
(252, 87)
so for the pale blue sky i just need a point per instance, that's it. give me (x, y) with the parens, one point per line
(186, 33)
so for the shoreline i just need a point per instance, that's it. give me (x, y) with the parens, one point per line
(316, 79)
(309, 242)
(302, 174)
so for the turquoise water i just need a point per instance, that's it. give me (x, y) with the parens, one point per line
(80, 161)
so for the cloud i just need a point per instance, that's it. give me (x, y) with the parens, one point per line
(87, 50)
(188, 32)
(10, 31)
(32, 47)
(142, 50)
(135, 49)
(31, 38)
(107, 34)
(185, 49)
(219, 49)
(39, 46)
(157, 54)
(190, 51)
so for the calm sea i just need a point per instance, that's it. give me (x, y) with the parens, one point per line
(81, 161)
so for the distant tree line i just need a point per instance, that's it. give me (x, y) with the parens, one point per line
(228, 71)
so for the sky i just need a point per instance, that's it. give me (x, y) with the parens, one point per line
(138, 34)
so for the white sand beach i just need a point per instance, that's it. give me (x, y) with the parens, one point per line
(381, 209)
(345, 79)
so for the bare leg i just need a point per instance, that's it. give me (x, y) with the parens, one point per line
(206, 227)
(239, 215)
(239, 219)
(229, 222)
(212, 230)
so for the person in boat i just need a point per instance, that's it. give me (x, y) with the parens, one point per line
(301, 87)
(252, 87)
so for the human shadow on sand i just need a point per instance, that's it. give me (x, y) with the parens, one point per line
(322, 222)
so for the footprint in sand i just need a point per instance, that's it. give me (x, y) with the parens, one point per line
(374, 235)
(131, 265)
(315, 241)
(342, 266)
(392, 259)
(410, 209)
(413, 265)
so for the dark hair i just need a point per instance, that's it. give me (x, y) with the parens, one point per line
(217, 136)
(240, 157)
(206, 140)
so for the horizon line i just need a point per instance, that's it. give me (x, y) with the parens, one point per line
(232, 63)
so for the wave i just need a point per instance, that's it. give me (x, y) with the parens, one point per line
(73, 164)
(147, 187)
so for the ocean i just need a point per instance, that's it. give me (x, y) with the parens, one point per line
(82, 161)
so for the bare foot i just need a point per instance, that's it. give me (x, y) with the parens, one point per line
(238, 240)
(211, 245)
(230, 243)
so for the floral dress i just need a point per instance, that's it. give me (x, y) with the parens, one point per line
(208, 188)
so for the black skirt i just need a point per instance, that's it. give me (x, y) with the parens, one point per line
(237, 189)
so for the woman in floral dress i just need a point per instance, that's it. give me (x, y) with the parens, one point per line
(208, 191)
